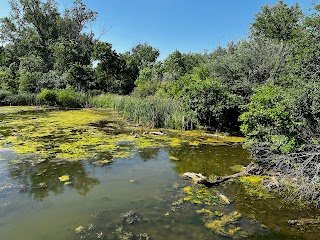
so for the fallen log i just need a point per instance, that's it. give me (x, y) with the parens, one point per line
(304, 221)
(200, 179)
(157, 133)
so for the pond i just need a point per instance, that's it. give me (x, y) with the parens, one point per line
(88, 174)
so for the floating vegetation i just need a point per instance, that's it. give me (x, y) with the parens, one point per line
(224, 198)
(64, 178)
(236, 168)
(174, 158)
(79, 229)
(254, 186)
(87, 133)
(102, 162)
(223, 224)
(199, 195)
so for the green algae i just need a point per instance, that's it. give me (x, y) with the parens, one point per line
(86, 134)
(174, 158)
(254, 186)
(222, 224)
(16, 109)
(236, 168)
(199, 195)
(64, 178)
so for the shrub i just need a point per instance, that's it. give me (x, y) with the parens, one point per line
(68, 98)
(21, 99)
(47, 97)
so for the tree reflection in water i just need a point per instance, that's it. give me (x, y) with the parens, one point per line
(40, 177)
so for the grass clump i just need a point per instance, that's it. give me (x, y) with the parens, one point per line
(151, 112)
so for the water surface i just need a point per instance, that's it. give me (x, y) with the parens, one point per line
(141, 193)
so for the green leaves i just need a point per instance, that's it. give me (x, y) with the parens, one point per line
(279, 22)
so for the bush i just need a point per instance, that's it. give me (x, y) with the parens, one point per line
(48, 97)
(21, 99)
(68, 98)
(4, 94)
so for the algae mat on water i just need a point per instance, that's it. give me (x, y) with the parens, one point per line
(96, 134)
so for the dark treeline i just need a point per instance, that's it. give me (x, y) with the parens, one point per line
(267, 86)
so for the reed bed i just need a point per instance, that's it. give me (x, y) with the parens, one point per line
(152, 111)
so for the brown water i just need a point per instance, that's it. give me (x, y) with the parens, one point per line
(35, 204)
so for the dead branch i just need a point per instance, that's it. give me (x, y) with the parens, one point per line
(200, 179)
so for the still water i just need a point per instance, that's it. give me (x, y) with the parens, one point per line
(140, 195)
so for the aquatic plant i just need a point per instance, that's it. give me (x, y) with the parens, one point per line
(254, 186)
(98, 135)
(152, 112)
(199, 195)
(64, 178)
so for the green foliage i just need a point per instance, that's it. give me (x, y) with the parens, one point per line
(249, 64)
(208, 99)
(279, 21)
(268, 119)
(21, 99)
(178, 64)
(29, 81)
(80, 77)
(153, 111)
(104, 100)
(4, 94)
(7, 80)
(69, 98)
(47, 97)
(149, 80)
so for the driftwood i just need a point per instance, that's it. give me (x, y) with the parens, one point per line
(304, 221)
(157, 133)
(200, 179)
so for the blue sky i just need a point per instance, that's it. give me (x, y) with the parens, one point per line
(186, 25)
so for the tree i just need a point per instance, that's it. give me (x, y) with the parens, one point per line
(304, 61)
(178, 64)
(249, 64)
(110, 70)
(279, 21)
(37, 28)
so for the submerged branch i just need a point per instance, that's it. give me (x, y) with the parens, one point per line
(200, 179)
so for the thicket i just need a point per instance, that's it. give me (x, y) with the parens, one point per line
(265, 86)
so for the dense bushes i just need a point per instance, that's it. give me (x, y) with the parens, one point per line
(66, 98)
(21, 99)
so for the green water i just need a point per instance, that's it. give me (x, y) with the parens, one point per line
(35, 204)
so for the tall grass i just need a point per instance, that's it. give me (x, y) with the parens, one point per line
(152, 111)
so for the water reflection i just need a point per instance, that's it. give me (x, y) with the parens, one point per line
(148, 153)
(209, 159)
(40, 177)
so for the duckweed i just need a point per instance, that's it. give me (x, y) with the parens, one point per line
(254, 186)
(95, 134)
(199, 195)
(225, 225)
(64, 178)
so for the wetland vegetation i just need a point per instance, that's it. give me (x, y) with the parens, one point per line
(92, 178)
(97, 151)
